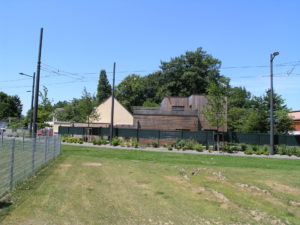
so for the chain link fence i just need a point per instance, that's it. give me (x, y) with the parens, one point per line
(22, 156)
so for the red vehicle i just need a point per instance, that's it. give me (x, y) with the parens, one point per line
(45, 132)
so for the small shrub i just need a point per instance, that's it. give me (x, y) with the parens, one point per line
(244, 147)
(249, 152)
(206, 146)
(179, 144)
(134, 144)
(198, 147)
(227, 148)
(116, 141)
(128, 144)
(281, 149)
(254, 148)
(169, 147)
(189, 145)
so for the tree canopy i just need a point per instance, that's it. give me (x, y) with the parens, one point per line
(10, 106)
(184, 75)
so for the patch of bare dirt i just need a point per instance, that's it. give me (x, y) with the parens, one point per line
(253, 188)
(260, 216)
(220, 196)
(91, 164)
(295, 203)
(64, 165)
(282, 187)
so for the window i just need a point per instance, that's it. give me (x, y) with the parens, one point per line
(177, 108)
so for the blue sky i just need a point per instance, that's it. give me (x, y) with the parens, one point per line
(83, 37)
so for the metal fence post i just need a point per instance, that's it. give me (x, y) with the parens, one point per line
(33, 153)
(23, 141)
(59, 144)
(54, 146)
(2, 137)
(46, 146)
(11, 164)
(158, 136)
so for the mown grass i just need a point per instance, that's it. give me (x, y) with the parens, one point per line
(108, 186)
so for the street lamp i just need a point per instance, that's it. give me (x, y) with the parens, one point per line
(272, 56)
(32, 97)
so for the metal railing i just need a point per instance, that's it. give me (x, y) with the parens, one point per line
(20, 157)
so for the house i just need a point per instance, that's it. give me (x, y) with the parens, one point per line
(296, 122)
(102, 117)
(175, 113)
(122, 118)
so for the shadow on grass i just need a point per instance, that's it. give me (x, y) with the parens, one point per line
(4, 204)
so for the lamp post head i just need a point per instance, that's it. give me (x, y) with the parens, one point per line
(275, 54)
(25, 75)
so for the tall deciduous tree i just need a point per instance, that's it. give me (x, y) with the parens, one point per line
(130, 92)
(10, 106)
(104, 88)
(185, 75)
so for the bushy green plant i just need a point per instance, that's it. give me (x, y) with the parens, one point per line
(249, 152)
(169, 147)
(254, 148)
(244, 147)
(179, 144)
(72, 140)
(281, 149)
(116, 141)
(198, 147)
(188, 145)
(134, 144)
(227, 148)
(99, 141)
(206, 146)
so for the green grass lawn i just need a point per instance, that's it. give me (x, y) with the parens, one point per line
(107, 186)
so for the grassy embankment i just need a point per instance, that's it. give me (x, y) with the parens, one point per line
(104, 186)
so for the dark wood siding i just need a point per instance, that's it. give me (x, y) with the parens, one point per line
(160, 122)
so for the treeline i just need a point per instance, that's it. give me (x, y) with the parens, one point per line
(193, 72)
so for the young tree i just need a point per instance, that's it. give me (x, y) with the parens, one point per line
(104, 88)
(87, 107)
(45, 109)
(215, 111)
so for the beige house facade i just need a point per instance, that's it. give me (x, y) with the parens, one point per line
(121, 115)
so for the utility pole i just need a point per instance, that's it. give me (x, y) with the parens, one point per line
(36, 99)
(112, 106)
(272, 56)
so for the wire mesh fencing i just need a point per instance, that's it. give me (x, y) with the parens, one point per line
(21, 157)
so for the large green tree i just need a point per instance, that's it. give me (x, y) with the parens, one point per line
(184, 75)
(130, 92)
(190, 73)
(104, 88)
(10, 106)
(248, 113)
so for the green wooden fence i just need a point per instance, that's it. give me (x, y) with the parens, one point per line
(200, 136)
